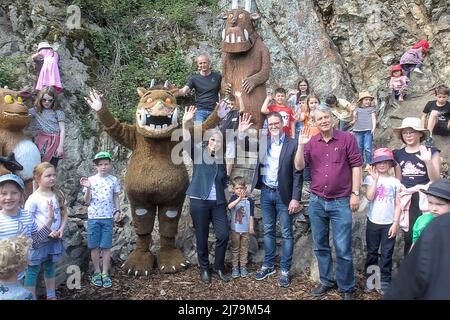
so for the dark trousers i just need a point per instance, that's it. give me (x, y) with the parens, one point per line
(376, 236)
(414, 213)
(202, 212)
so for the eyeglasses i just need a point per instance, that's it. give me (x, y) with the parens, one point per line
(47, 100)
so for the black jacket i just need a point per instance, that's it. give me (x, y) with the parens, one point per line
(290, 180)
(425, 273)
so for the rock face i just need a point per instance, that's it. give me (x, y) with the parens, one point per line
(340, 46)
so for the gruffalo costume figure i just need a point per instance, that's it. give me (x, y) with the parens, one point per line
(13, 120)
(153, 183)
(245, 59)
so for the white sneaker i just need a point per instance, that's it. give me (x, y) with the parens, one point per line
(418, 70)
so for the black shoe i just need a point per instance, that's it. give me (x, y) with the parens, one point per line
(348, 295)
(321, 290)
(204, 275)
(221, 275)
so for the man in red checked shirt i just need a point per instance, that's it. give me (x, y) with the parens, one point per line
(282, 108)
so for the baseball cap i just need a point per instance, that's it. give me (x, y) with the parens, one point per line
(102, 155)
(12, 177)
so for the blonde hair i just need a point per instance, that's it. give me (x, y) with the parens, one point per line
(38, 171)
(305, 107)
(13, 255)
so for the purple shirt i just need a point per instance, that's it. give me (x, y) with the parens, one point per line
(331, 164)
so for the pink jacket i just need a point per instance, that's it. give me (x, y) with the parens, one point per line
(405, 202)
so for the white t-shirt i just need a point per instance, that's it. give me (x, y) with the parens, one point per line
(382, 207)
(101, 205)
(37, 206)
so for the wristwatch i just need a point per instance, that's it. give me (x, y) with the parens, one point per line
(356, 193)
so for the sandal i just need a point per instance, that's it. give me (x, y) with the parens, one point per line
(106, 281)
(96, 279)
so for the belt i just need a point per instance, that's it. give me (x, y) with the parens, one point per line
(271, 189)
(329, 199)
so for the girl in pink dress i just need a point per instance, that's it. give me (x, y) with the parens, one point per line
(49, 71)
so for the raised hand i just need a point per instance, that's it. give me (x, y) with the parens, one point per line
(373, 172)
(51, 211)
(244, 122)
(94, 100)
(189, 113)
(223, 109)
(304, 136)
(425, 154)
(84, 181)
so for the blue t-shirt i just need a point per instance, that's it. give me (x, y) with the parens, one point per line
(241, 213)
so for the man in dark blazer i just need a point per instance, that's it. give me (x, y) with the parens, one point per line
(281, 189)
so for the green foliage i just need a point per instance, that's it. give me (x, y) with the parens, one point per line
(173, 67)
(11, 71)
(139, 40)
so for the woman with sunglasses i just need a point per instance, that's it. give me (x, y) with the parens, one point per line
(48, 120)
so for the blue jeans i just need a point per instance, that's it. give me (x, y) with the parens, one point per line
(407, 68)
(272, 205)
(344, 125)
(201, 115)
(364, 140)
(100, 233)
(321, 213)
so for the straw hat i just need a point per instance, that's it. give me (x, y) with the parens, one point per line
(44, 45)
(364, 94)
(414, 123)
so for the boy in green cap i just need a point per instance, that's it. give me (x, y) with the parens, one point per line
(101, 193)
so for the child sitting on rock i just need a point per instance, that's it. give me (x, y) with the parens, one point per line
(398, 83)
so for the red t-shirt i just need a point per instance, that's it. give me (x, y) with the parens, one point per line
(287, 114)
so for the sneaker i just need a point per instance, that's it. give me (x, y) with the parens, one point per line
(400, 98)
(264, 272)
(244, 272)
(418, 70)
(96, 279)
(285, 279)
(106, 281)
(235, 272)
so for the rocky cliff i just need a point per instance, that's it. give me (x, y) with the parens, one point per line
(340, 46)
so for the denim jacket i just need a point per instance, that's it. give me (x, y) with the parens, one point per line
(204, 174)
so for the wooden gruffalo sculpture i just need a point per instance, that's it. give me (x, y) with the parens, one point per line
(154, 183)
(13, 120)
(245, 59)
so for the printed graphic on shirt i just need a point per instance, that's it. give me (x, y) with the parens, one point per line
(240, 216)
(413, 169)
